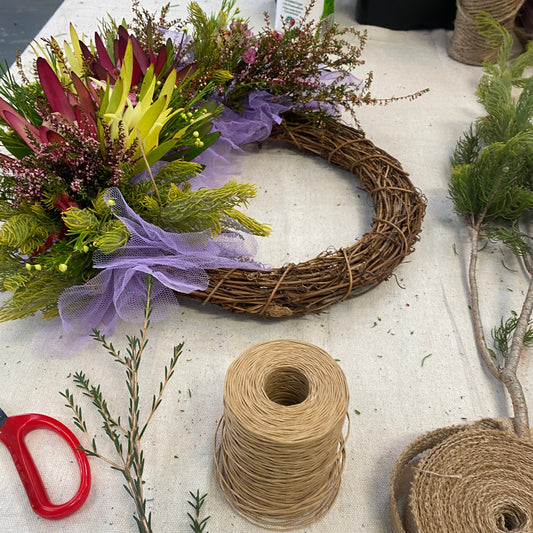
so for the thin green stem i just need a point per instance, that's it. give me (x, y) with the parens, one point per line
(131, 462)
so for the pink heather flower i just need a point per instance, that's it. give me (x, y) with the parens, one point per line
(249, 56)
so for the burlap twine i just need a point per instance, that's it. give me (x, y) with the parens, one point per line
(472, 479)
(467, 45)
(279, 450)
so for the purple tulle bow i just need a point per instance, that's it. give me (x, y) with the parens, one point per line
(177, 262)
(253, 124)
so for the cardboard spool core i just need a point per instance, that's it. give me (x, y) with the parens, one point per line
(287, 386)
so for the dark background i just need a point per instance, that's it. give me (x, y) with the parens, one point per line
(20, 21)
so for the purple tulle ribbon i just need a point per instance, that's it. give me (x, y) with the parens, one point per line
(176, 261)
(253, 124)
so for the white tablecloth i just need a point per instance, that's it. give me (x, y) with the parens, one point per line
(380, 338)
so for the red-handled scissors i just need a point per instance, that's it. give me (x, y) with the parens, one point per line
(13, 429)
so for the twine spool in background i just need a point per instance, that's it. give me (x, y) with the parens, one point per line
(279, 451)
(473, 479)
(467, 45)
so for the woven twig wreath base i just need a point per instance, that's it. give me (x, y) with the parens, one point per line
(333, 276)
(475, 478)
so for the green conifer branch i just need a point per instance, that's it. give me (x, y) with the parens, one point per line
(491, 188)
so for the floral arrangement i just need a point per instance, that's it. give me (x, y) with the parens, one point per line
(116, 150)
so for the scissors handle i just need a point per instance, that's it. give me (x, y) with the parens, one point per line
(12, 434)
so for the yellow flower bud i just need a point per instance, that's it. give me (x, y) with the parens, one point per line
(62, 267)
(111, 203)
(195, 134)
(85, 248)
(28, 266)
(38, 267)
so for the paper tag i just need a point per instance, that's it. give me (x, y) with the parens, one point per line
(295, 9)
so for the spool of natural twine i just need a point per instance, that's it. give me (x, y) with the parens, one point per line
(279, 451)
(467, 45)
(472, 479)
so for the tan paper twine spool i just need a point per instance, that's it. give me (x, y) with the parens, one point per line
(467, 45)
(279, 450)
(471, 479)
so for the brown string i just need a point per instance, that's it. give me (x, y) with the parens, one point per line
(280, 447)
(464, 479)
(466, 44)
(399, 211)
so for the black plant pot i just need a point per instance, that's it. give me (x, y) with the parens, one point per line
(406, 14)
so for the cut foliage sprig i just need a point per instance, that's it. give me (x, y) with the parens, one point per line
(126, 437)
(491, 188)
(309, 64)
(197, 524)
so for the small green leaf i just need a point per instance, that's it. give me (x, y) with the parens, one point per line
(424, 359)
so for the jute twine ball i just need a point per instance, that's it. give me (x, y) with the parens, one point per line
(472, 479)
(279, 451)
(467, 45)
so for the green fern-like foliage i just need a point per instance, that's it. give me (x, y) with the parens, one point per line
(38, 293)
(112, 236)
(178, 172)
(27, 228)
(184, 210)
(37, 290)
(94, 227)
(206, 29)
(31, 269)
(492, 164)
(495, 185)
(176, 207)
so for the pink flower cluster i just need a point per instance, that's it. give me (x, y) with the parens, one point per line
(237, 43)
(76, 165)
(249, 56)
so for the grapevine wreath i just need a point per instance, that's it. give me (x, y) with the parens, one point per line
(336, 275)
(117, 156)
